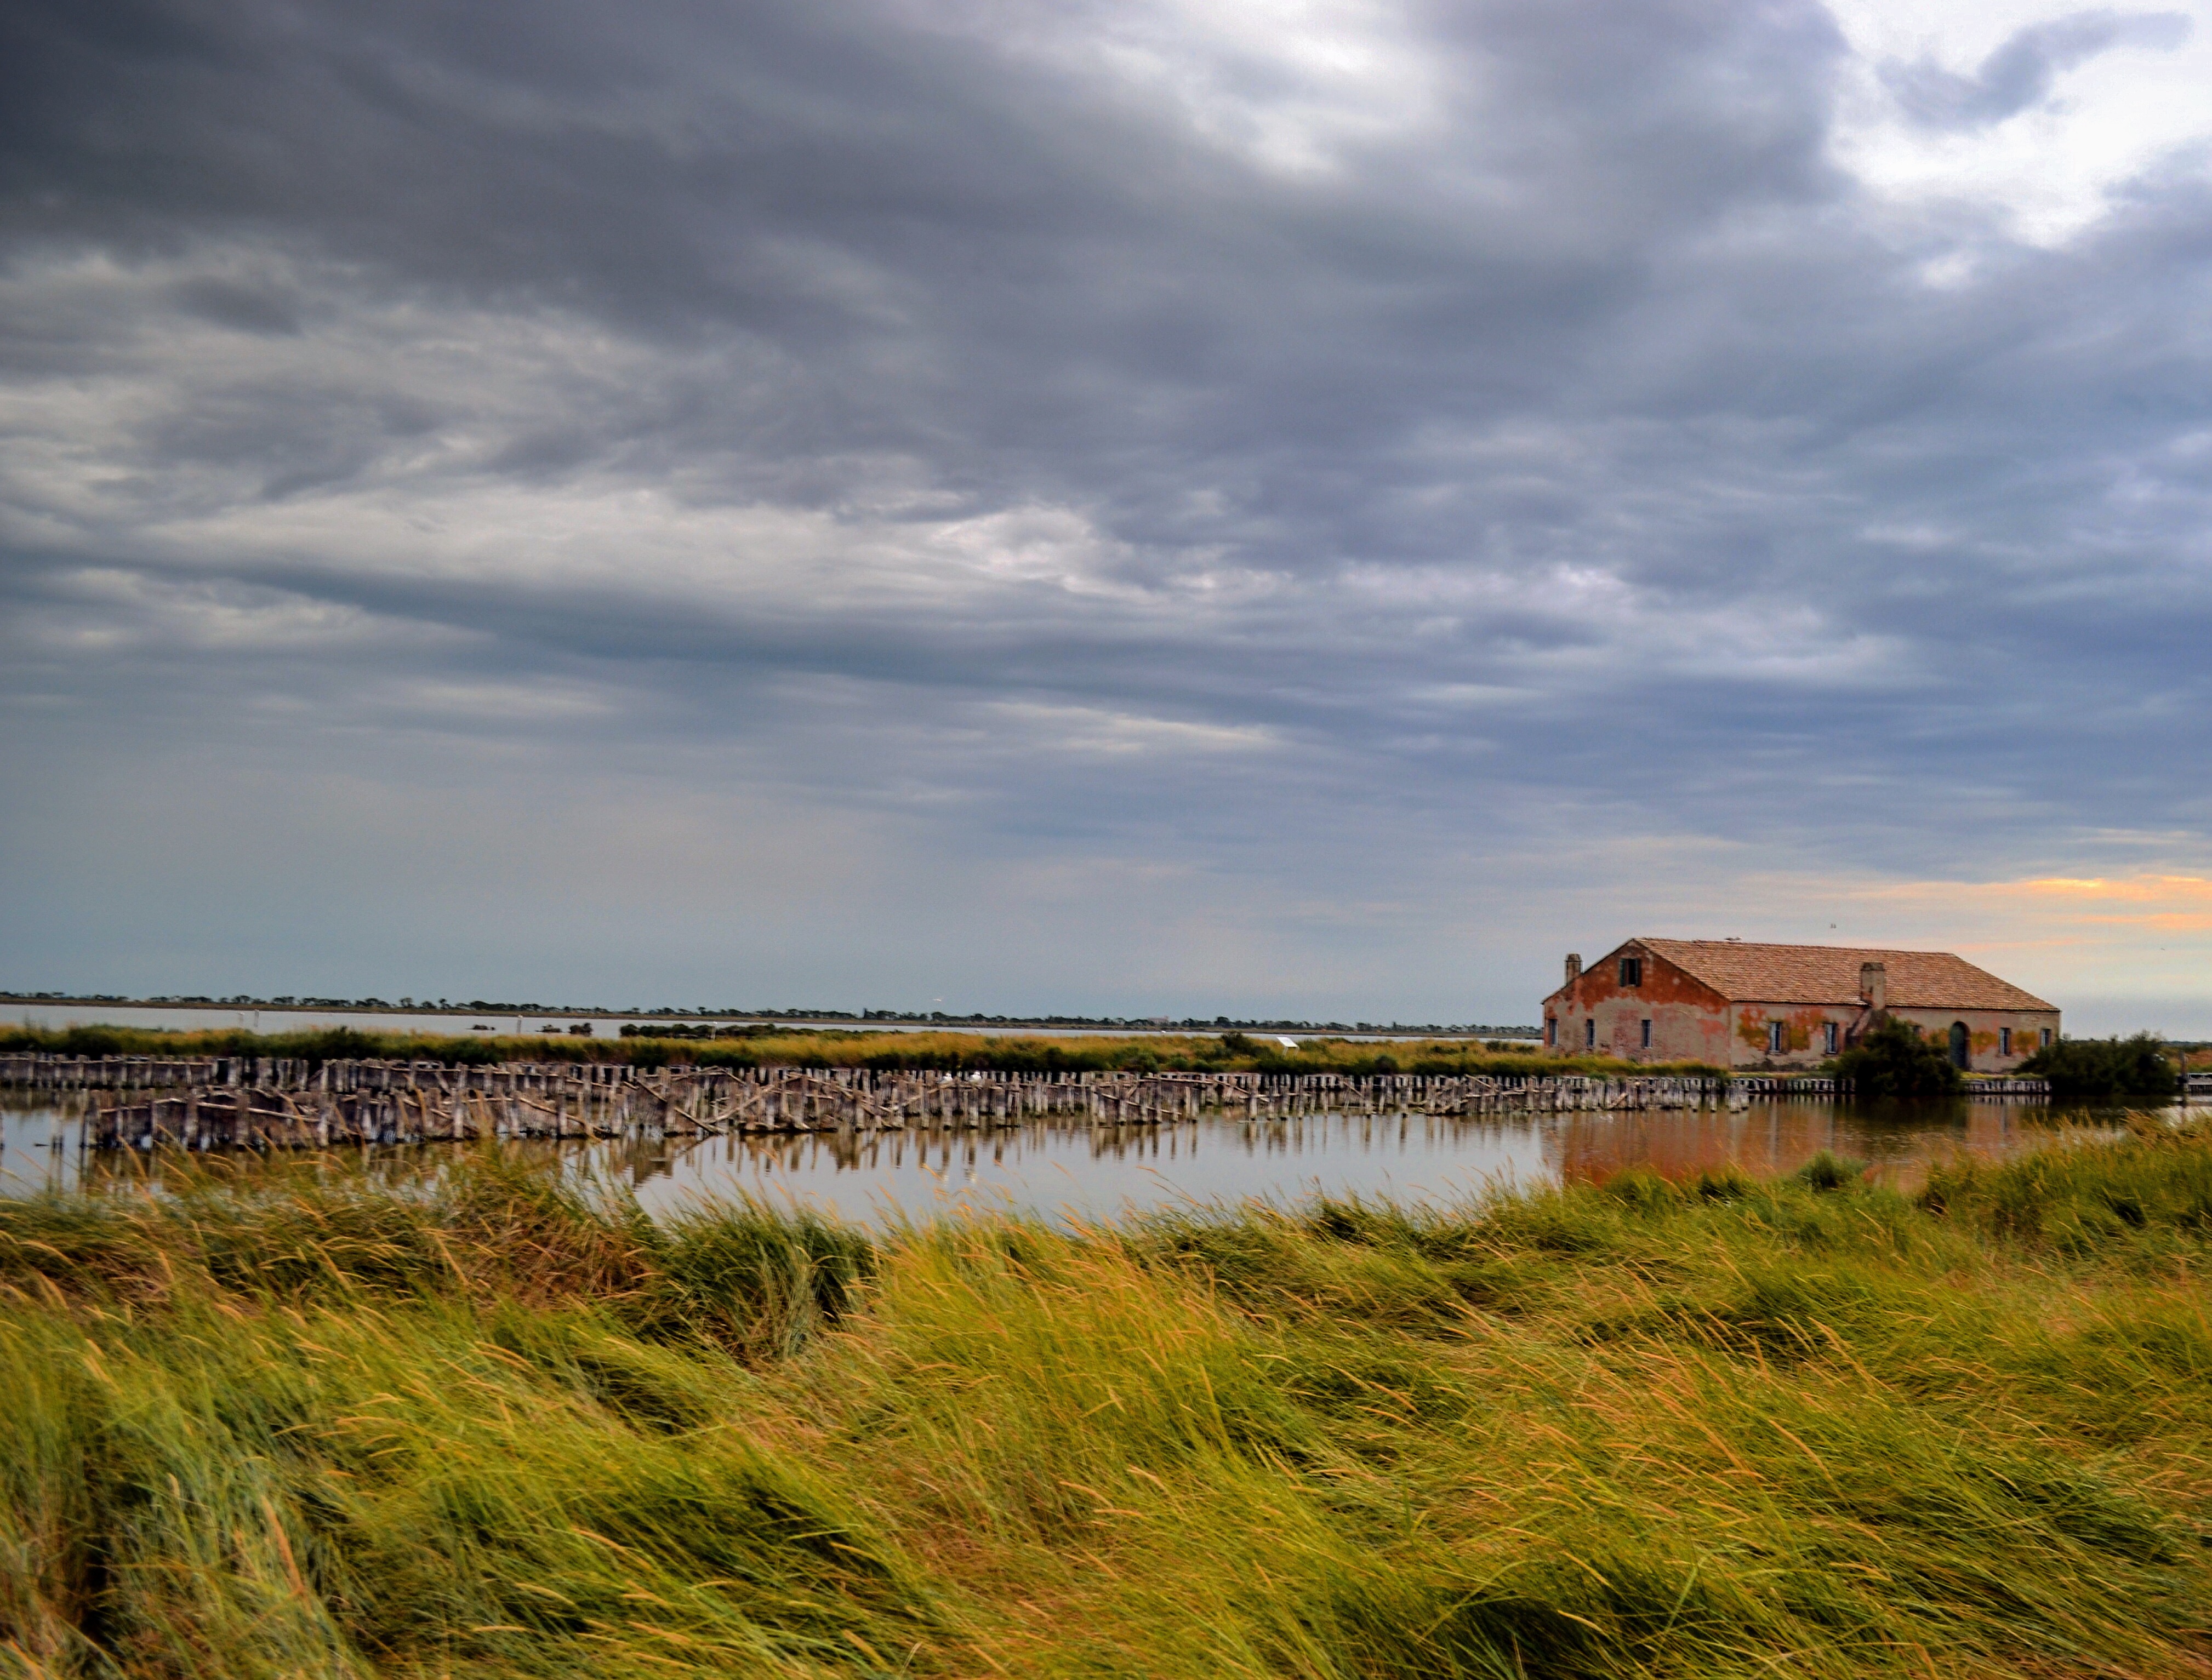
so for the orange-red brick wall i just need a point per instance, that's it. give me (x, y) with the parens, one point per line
(1691, 1023)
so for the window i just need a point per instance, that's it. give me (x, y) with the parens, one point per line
(1631, 971)
(2004, 1041)
(1552, 1030)
(1647, 1035)
(1590, 1033)
(1829, 1038)
(1774, 1038)
(2046, 1038)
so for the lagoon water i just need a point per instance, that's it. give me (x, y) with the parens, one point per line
(1070, 1173)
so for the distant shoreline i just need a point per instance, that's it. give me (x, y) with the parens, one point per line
(868, 1019)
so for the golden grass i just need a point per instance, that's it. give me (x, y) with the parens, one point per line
(291, 1423)
(1017, 1053)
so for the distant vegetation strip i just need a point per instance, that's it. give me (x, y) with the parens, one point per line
(678, 1016)
(1893, 1063)
(838, 1047)
(506, 1426)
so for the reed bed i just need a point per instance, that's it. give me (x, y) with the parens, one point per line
(291, 1422)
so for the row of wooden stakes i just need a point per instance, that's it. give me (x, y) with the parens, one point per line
(345, 1077)
(690, 1102)
(576, 1100)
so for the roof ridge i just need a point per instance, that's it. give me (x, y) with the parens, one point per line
(1791, 945)
(1774, 971)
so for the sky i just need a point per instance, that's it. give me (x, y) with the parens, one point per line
(1174, 508)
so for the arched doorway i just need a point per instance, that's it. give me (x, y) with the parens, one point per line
(1961, 1045)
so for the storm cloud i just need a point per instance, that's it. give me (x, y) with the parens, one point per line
(1154, 508)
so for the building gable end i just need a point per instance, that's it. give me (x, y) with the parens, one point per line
(1663, 979)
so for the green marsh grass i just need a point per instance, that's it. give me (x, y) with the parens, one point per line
(288, 1422)
(943, 1052)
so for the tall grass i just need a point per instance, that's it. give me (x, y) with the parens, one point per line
(291, 1423)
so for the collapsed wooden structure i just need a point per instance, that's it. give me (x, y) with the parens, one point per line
(245, 1102)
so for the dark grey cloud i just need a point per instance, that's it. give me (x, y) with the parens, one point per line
(1228, 499)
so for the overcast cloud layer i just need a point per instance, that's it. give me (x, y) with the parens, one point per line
(1147, 507)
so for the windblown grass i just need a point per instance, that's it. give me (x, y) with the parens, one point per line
(293, 1424)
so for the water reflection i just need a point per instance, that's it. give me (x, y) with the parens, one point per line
(1779, 1137)
(1067, 1171)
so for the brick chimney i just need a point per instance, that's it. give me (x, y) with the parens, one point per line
(1574, 967)
(1873, 986)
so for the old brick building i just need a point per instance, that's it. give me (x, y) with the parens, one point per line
(1743, 1005)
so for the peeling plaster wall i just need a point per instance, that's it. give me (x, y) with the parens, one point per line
(1804, 1026)
(1985, 1030)
(1691, 1022)
(1804, 1040)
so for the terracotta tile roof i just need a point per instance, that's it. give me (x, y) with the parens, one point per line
(1745, 973)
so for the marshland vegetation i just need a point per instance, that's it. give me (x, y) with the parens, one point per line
(2106, 1071)
(505, 1424)
(1895, 1061)
(782, 1046)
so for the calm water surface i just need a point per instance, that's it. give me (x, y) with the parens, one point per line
(1067, 1172)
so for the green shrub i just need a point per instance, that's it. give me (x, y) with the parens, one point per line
(1825, 1170)
(1894, 1059)
(2113, 1069)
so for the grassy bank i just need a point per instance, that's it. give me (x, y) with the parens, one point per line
(835, 1047)
(296, 1427)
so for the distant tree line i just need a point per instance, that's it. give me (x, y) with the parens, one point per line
(841, 1047)
(493, 1006)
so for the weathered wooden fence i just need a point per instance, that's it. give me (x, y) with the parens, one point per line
(233, 1102)
(1802, 1084)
